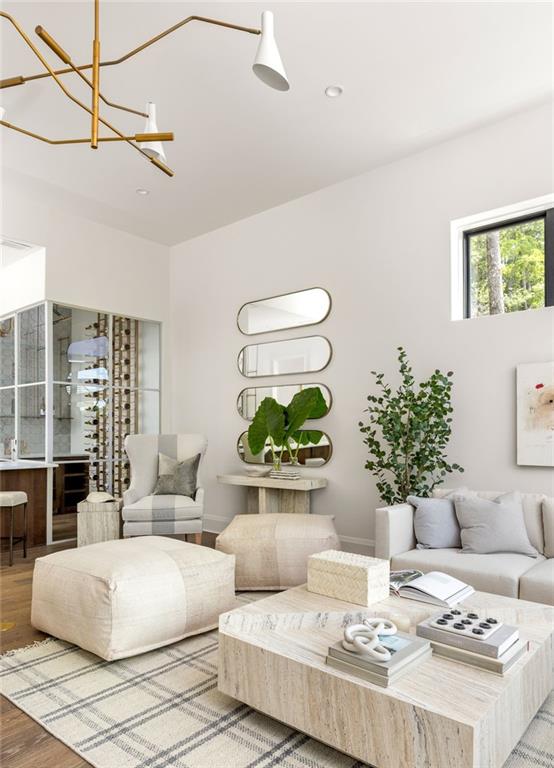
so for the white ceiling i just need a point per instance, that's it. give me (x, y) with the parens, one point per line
(413, 74)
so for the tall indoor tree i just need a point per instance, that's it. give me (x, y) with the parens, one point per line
(408, 432)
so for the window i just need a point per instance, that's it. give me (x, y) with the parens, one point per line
(509, 265)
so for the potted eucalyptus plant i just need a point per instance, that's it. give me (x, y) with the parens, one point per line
(281, 425)
(408, 432)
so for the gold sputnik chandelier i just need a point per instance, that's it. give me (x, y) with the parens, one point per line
(267, 66)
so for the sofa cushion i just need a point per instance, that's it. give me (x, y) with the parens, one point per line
(166, 507)
(532, 510)
(537, 584)
(161, 527)
(548, 522)
(120, 598)
(491, 526)
(499, 573)
(435, 523)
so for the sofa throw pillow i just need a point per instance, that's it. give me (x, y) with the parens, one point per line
(493, 526)
(435, 523)
(177, 477)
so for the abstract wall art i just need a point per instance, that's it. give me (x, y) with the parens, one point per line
(535, 414)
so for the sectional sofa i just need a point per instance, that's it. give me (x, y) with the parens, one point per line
(505, 573)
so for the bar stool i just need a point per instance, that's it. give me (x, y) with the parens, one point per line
(10, 500)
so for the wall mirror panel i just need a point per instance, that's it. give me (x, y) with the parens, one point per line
(251, 397)
(291, 310)
(278, 358)
(312, 449)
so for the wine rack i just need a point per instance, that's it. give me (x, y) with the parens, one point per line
(97, 430)
(125, 382)
(112, 404)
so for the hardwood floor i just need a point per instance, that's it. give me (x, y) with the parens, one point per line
(64, 526)
(24, 743)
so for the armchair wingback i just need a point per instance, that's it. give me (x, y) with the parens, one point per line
(145, 513)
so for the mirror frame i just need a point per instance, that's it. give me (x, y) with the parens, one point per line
(302, 466)
(299, 384)
(285, 327)
(292, 373)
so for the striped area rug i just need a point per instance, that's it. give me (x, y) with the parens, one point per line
(163, 709)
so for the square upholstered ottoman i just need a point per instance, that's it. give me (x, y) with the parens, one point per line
(121, 598)
(272, 550)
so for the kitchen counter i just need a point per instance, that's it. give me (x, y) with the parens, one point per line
(25, 464)
(33, 477)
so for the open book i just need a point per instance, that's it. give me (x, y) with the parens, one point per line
(434, 587)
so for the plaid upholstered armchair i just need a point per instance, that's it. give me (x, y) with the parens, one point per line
(146, 513)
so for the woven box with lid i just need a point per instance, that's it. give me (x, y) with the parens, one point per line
(350, 577)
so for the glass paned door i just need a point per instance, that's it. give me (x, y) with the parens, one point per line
(31, 351)
(7, 421)
(7, 352)
(32, 422)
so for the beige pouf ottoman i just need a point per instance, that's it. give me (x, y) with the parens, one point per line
(121, 598)
(272, 550)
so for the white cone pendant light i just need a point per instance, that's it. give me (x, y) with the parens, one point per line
(153, 149)
(267, 64)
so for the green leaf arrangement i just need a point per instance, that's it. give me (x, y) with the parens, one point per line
(408, 432)
(282, 424)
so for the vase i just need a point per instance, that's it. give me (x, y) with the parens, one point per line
(277, 464)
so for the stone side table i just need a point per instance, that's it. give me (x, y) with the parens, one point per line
(266, 495)
(98, 521)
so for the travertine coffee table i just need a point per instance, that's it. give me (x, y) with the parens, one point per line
(272, 657)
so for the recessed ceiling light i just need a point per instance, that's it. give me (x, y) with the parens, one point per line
(141, 191)
(333, 91)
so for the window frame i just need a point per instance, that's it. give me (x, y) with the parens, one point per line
(547, 215)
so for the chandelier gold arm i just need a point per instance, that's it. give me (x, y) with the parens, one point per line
(140, 137)
(66, 58)
(73, 98)
(95, 76)
(20, 79)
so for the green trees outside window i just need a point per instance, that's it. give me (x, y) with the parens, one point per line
(506, 268)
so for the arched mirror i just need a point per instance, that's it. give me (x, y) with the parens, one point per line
(312, 448)
(278, 358)
(291, 310)
(251, 397)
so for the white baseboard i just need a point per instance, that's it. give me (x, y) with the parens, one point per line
(216, 523)
(359, 543)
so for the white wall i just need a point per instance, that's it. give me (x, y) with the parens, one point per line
(23, 281)
(380, 243)
(91, 265)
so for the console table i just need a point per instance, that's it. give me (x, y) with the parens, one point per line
(266, 495)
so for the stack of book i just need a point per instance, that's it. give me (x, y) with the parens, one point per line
(496, 654)
(284, 474)
(407, 652)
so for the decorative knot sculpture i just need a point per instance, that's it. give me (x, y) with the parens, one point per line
(364, 638)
